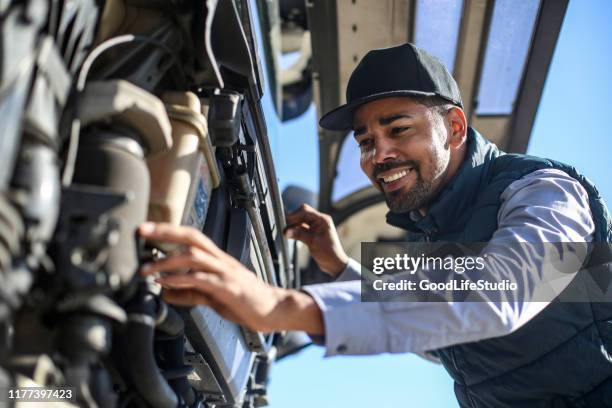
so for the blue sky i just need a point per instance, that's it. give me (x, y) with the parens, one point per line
(571, 126)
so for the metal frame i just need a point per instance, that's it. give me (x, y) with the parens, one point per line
(323, 27)
(471, 46)
(550, 20)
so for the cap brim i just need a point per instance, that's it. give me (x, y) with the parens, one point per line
(341, 118)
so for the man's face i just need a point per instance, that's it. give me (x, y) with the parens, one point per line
(404, 150)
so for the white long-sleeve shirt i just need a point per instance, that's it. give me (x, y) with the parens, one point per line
(544, 206)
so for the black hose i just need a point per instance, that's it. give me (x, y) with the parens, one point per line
(138, 361)
(169, 321)
(136, 356)
(170, 345)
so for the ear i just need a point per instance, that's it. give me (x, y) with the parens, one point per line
(458, 126)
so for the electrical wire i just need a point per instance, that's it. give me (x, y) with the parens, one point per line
(73, 142)
(211, 6)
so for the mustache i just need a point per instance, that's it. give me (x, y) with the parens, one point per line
(386, 166)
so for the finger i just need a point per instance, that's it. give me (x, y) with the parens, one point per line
(185, 297)
(180, 262)
(190, 292)
(227, 293)
(300, 233)
(304, 214)
(186, 285)
(178, 234)
(200, 281)
(297, 225)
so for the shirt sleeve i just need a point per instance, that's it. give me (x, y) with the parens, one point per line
(544, 206)
(351, 272)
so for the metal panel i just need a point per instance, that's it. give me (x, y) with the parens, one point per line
(545, 38)
(494, 128)
(365, 25)
(223, 346)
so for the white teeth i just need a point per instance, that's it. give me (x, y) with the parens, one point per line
(395, 176)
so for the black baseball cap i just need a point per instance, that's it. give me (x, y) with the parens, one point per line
(403, 70)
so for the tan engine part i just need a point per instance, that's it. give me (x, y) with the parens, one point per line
(121, 17)
(175, 172)
(121, 102)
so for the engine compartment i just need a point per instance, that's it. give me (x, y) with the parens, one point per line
(119, 112)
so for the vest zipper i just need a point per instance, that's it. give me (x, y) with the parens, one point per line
(429, 235)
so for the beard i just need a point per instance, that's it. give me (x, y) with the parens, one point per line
(423, 191)
(418, 196)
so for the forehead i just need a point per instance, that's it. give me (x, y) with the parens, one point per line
(385, 107)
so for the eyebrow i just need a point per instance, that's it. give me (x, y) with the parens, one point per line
(390, 119)
(384, 121)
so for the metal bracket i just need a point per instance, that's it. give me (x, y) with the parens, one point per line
(203, 378)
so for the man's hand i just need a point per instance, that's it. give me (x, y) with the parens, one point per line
(218, 280)
(318, 232)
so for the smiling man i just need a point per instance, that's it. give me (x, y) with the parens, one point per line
(405, 150)
(442, 181)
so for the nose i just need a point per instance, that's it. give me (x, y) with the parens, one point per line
(384, 150)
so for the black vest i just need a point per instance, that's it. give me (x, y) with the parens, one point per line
(560, 358)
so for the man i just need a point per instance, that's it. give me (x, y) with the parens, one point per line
(442, 181)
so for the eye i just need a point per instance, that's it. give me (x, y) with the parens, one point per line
(365, 143)
(401, 129)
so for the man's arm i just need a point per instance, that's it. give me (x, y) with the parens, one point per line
(218, 280)
(545, 206)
